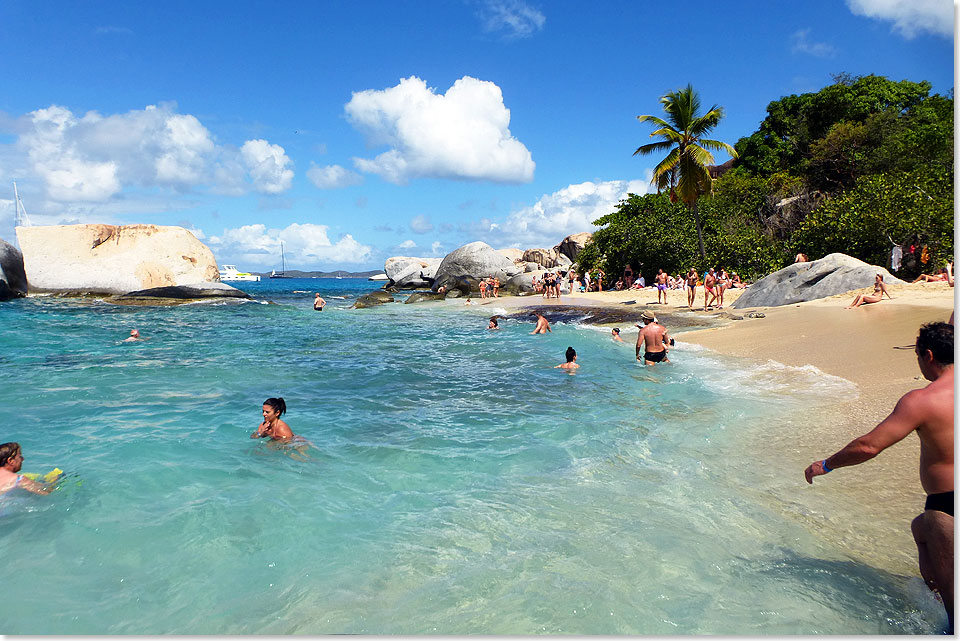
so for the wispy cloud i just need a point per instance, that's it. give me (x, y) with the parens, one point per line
(110, 29)
(803, 44)
(421, 225)
(333, 177)
(910, 18)
(515, 18)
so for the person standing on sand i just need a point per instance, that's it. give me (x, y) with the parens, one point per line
(483, 288)
(654, 339)
(661, 281)
(542, 325)
(571, 363)
(928, 412)
(496, 287)
(272, 426)
(318, 303)
(11, 460)
(691, 287)
(709, 285)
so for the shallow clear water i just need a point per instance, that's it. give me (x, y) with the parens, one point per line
(456, 482)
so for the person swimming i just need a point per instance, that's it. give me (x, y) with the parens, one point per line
(272, 426)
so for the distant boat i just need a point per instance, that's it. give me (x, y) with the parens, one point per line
(338, 275)
(378, 277)
(229, 272)
(283, 266)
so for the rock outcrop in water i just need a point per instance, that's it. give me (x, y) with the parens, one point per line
(800, 282)
(195, 291)
(13, 278)
(466, 266)
(109, 259)
(372, 300)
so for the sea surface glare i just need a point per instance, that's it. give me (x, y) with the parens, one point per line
(456, 482)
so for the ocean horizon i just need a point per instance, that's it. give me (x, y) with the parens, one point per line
(454, 482)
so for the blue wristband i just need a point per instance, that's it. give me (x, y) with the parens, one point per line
(823, 464)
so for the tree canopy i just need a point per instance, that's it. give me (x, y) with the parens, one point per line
(862, 165)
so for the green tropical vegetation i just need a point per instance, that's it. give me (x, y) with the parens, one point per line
(862, 165)
(684, 169)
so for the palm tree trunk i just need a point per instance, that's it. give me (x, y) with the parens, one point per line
(696, 219)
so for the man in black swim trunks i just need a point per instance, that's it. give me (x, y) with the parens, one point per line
(654, 339)
(929, 412)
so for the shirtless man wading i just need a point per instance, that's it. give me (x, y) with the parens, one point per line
(654, 339)
(929, 412)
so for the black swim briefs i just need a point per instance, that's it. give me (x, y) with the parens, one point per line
(942, 502)
(654, 357)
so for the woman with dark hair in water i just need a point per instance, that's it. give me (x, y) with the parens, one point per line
(272, 426)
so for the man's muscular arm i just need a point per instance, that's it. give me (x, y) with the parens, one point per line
(905, 418)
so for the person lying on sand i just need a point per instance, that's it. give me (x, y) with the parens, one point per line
(571, 360)
(939, 277)
(879, 289)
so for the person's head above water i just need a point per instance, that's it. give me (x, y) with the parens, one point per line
(571, 354)
(10, 452)
(135, 333)
(615, 331)
(277, 405)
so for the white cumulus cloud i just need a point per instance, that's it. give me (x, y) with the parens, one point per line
(304, 246)
(462, 134)
(333, 177)
(909, 17)
(568, 211)
(407, 244)
(93, 158)
(268, 166)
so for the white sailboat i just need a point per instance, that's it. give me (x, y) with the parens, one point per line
(283, 266)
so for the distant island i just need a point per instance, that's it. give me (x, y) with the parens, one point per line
(296, 273)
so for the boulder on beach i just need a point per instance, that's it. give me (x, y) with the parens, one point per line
(410, 271)
(13, 278)
(372, 300)
(110, 259)
(467, 265)
(512, 253)
(193, 291)
(800, 282)
(572, 245)
(544, 257)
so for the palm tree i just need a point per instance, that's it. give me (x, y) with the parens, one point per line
(684, 170)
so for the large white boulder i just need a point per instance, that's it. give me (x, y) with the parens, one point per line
(464, 267)
(800, 282)
(109, 259)
(409, 268)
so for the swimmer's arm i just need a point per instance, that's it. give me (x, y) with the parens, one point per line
(261, 432)
(904, 419)
(33, 486)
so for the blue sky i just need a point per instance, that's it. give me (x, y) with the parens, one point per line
(355, 131)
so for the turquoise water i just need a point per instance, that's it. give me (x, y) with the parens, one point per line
(456, 482)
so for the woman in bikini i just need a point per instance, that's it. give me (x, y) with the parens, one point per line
(879, 289)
